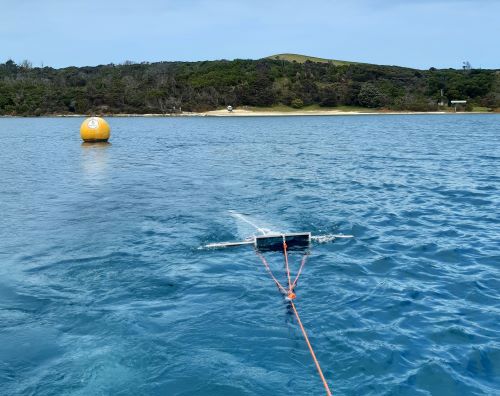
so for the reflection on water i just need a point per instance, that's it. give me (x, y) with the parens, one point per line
(95, 157)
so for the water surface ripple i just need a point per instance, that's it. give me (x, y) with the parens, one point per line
(103, 289)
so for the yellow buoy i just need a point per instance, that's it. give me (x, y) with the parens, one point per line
(95, 129)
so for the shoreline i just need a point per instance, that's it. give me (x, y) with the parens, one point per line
(277, 113)
(259, 113)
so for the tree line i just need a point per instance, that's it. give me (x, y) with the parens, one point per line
(170, 87)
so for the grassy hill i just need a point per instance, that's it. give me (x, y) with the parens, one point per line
(304, 58)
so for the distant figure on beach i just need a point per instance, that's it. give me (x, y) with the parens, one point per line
(230, 109)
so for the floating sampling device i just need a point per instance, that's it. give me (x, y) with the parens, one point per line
(284, 242)
(95, 129)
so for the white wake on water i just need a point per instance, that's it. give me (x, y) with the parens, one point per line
(263, 231)
(323, 238)
(328, 237)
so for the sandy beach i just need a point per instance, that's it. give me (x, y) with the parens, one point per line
(326, 112)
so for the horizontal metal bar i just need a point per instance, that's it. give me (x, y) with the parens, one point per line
(274, 241)
(229, 244)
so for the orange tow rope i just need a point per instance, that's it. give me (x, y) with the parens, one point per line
(318, 367)
(290, 295)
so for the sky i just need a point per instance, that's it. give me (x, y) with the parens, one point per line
(413, 33)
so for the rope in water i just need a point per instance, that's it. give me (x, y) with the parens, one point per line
(268, 268)
(290, 295)
(316, 362)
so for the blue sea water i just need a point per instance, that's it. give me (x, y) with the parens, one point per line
(104, 289)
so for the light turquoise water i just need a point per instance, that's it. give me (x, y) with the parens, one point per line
(103, 289)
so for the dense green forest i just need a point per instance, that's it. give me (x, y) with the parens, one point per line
(167, 87)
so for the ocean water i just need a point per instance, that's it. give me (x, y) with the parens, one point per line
(104, 289)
